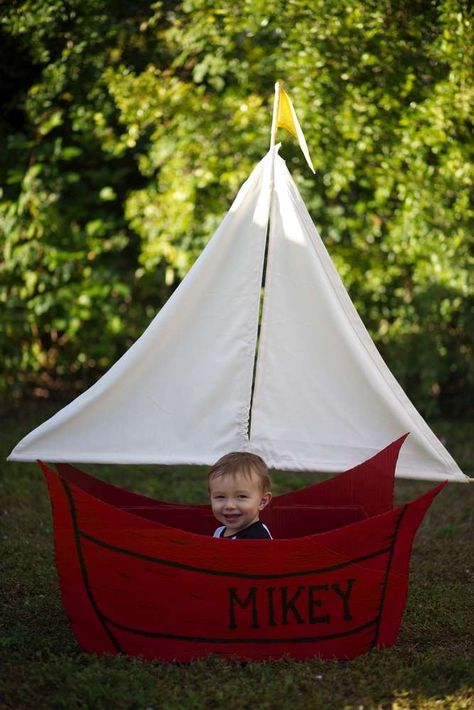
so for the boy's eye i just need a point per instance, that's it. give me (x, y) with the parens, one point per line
(243, 496)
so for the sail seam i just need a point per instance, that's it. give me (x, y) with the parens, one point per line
(259, 328)
(261, 298)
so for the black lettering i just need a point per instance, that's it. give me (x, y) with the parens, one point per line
(243, 603)
(271, 606)
(345, 595)
(288, 605)
(313, 602)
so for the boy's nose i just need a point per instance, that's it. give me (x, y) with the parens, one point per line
(229, 505)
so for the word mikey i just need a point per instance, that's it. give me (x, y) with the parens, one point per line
(275, 606)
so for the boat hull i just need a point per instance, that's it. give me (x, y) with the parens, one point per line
(131, 584)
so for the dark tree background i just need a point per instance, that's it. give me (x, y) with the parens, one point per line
(128, 127)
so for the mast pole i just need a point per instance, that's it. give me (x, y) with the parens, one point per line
(265, 255)
(275, 114)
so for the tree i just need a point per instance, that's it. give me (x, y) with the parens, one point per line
(139, 121)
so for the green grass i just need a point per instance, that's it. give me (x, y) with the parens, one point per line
(431, 666)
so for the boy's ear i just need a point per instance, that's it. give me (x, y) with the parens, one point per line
(266, 498)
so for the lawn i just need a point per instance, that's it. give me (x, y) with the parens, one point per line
(431, 666)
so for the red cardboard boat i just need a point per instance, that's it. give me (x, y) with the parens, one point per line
(286, 371)
(146, 578)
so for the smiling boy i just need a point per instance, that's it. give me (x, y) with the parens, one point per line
(239, 488)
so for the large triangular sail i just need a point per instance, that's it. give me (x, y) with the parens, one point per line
(181, 393)
(324, 399)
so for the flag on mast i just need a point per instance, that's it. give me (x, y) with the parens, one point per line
(286, 118)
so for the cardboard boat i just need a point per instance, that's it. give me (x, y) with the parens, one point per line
(287, 371)
(145, 577)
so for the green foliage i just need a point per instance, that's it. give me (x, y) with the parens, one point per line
(129, 127)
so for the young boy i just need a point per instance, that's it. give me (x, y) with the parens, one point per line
(239, 488)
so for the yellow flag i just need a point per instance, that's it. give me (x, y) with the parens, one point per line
(286, 118)
(285, 114)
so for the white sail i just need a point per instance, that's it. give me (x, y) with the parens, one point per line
(324, 398)
(181, 393)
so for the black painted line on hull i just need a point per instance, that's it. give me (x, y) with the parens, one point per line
(387, 574)
(265, 640)
(224, 573)
(82, 564)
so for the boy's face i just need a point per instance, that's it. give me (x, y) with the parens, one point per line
(236, 501)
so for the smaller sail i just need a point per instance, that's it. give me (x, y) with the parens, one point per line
(181, 393)
(324, 399)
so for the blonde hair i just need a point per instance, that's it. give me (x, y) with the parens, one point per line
(245, 463)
